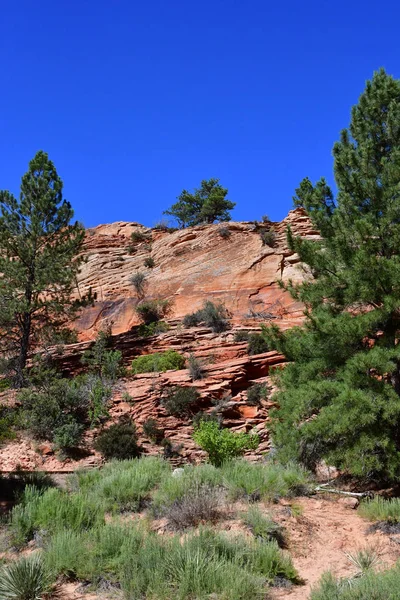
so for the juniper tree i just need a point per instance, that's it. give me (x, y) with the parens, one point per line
(206, 205)
(339, 397)
(38, 261)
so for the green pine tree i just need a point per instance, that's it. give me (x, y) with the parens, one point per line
(339, 397)
(206, 205)
(38, 261)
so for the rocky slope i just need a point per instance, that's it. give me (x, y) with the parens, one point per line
(190, 266)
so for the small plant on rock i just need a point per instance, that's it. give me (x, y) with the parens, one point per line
(241, 336)
(151, 311)
(139, 236)
(224, 232)
(268, 238)
(152, 431)
(256, 393)
(195, 367)
(149, 262)
(180, 401)
(212, 315)
(257, 344)
(138, 280)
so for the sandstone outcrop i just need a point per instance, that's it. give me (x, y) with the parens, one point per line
(191, 266)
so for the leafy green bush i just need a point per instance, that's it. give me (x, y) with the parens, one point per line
(25, 579)
(158, 362)
(149, 262)
(257, 344)
(151, 311)
(152, 431)
(68, 436)
(212, 315)
(222, 444)
(380, 509)
(180, 400)
(153, 328)
(263, 527)
(256, 393)
(118, 441)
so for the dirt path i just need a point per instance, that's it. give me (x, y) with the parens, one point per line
(319, 538)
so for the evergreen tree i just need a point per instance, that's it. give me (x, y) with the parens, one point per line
(38, 263)
(339, 397)
(206, 205)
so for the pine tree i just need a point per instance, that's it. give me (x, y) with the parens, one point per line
(339, 397)
(38, 261)
(206, 205)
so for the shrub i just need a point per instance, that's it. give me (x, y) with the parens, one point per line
(224, 232)
(195, 367)
(152, 431)
(180, 401)
(200, 505)
(256, 393)
(170, 450)
(257, 344)
(263, 527)
(204, 416)
(101, 361)
(138, 280)
(265, 219)
(212, 315)
(8, 421)
(151, 311)
(152, 329)
(241, 336)
(149, 262)
(139, 236)
(377, 586)
(268, 238)
(380, 509)
(118, 441)
(68, 436)
(158, 362)
(24, 579)
(222, 444)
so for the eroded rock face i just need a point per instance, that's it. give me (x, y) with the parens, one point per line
(191, 266)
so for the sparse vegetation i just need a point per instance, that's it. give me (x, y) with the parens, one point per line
(118, 441)
(383, 585)
(224, 232)
(180, 401)
(212, 315)
(256, 393)
(380, 509)
(159, 362)
(139, 280)
(152, 311)
(138, 236)
(241, 336)
(203, 504)
(222, 444)
(195, 367)
(264, 527)
(152, 430)
(154, 328)
(149, 262)
(268, 238)
(257, 344)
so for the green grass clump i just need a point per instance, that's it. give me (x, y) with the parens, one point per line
(264, 481)
(263, 526)
(121, 486)
(158, 362)
(51, 511)
(24, 579)
(379, 509)
(372, 586)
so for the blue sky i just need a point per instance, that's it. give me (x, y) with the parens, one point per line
(135, 101)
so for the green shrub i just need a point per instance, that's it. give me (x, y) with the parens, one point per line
(256, 393)
(8, 421)
(195, 367)
(202, 504)
(152, 431)
(268, 238)
(103, 362)
(68, 436)
(241, 336)
(25, 579)
(149, 262)
(118, 441)
(139, 236)
(263, 527)
(257, 344)
(151, 311)
(180, 401)
(205, 416)
(5, 384)
(153, 328)
(224, 232)
(212, 315)
(158, 362)
(380, 509)
(138, 280)
(222, 444)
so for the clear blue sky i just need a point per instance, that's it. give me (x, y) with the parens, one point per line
(135, 100)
